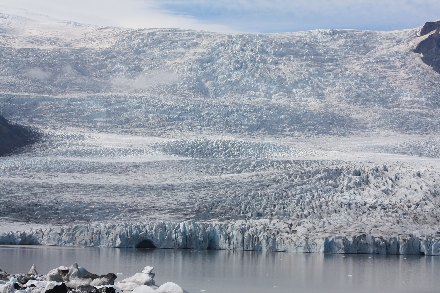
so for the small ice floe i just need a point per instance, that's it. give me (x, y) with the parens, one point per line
(76, 277)
(33, 270)
(7, 288)
(146, 277)
(144, 283)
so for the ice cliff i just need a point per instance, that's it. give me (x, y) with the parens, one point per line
(255, 235)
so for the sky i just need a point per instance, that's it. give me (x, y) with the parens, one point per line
(255, 16)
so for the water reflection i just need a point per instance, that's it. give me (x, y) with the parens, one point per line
(241, 271)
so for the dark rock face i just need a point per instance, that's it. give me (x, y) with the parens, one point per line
(13, 137)
(58, 289)
(430, 49)
(106, 290)
(23, 279)
(86, 289)
(102, 280)
(429, 27)
(92, 289)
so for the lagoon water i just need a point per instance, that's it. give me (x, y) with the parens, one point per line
(241, 271)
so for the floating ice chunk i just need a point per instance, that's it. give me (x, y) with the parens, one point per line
(33, 270)
(117, 290)
(144, 289)
(76, 272)
(79, 276)
(39, 284)
(79, 282)
(57, 275)
(170, 287)
(130, 283)
(127, 286)
(104, 280)
(146, 278)
(148, 270)
(7, 288)
(54, 285)
(138, 279)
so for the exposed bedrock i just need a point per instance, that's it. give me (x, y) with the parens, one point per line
(14, 137)
(430, 47)
(429, 27)
(256, 235)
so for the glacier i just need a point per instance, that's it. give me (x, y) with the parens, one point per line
(315, 141)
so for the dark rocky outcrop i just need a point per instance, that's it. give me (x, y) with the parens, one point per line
(429, 27)
(58, 289)
(13, 137)
(92, 289)
(86, 289)
(430, 47)
(105, 290)
(23, 279)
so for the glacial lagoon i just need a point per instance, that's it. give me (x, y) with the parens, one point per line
(217, 271)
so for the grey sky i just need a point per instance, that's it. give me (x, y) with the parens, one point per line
(239, 15)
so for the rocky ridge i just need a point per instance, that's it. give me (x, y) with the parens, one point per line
(429, 48)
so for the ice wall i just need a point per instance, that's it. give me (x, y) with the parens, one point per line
(256, 235)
